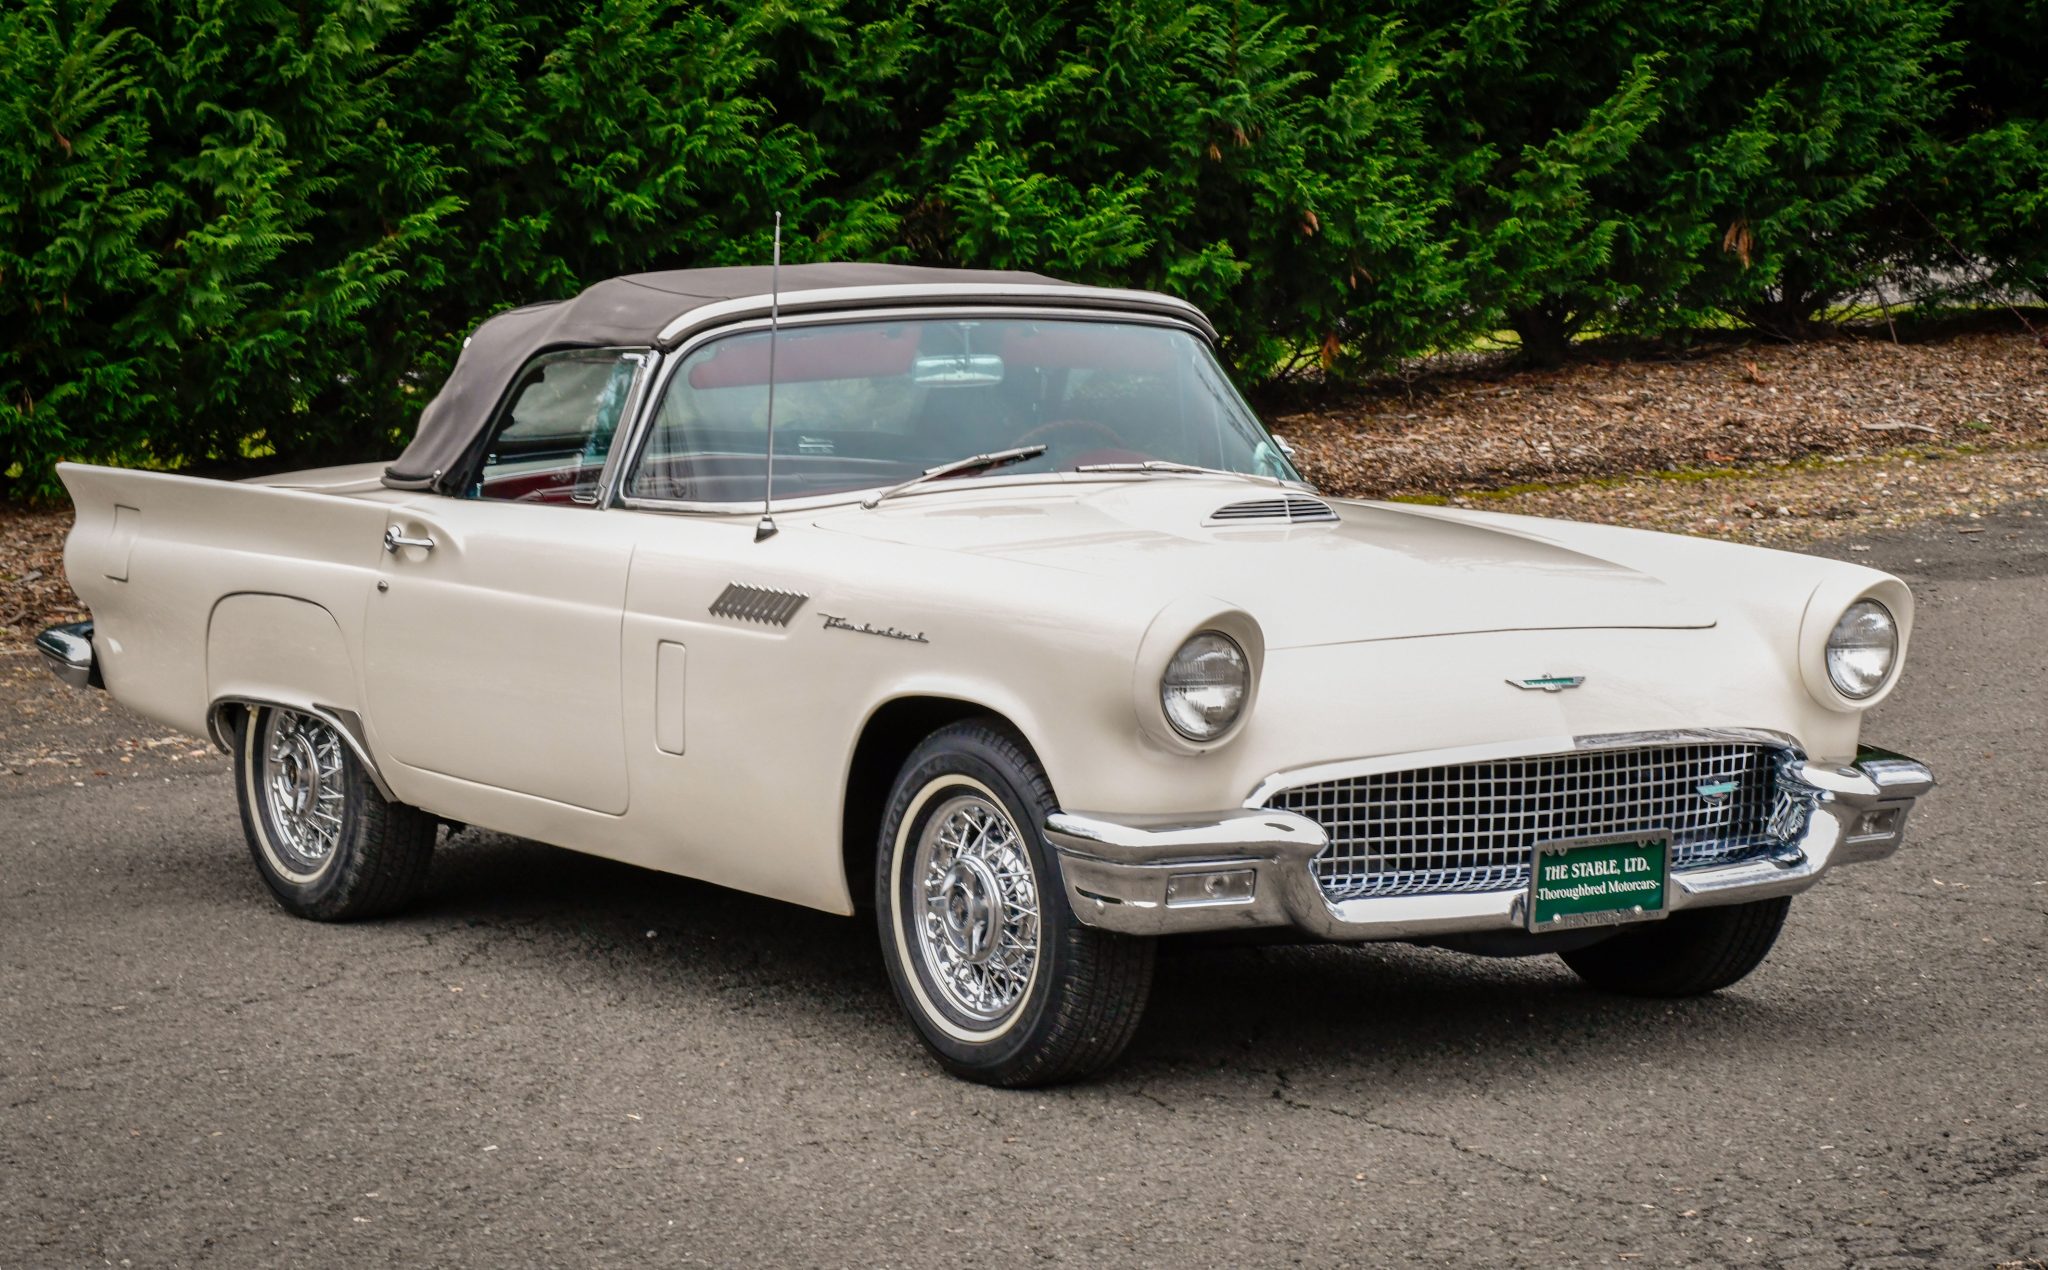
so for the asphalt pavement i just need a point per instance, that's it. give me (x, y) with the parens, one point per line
(555, 1060)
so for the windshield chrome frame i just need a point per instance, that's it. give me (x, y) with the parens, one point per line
(832, 301)
(648, 405)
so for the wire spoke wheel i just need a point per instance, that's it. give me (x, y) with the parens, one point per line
(325, 838)
(977, 924)
(305, 790)
(1001, 982)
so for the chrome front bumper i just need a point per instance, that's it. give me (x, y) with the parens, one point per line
(1249, 868)
(67, 650)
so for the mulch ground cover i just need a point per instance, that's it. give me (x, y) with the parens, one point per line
(1799, 503)
(1725, 405)
(1762, 442)
(33, 593)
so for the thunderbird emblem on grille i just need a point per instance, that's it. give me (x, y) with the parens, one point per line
(1549, 683)
(1717, 791)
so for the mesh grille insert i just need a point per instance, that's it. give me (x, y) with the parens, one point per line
(1474, 826)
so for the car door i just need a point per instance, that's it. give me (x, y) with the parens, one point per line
(737, 726)
(492, 639)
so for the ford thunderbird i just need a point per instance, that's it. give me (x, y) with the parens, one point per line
(983, 602)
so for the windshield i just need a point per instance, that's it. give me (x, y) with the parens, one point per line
(860, 405)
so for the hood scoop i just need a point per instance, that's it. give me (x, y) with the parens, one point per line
(1294, 509)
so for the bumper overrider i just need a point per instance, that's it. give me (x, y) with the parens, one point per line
(1251, 867)
(67, 651)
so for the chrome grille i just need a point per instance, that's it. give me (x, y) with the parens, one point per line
(1474, 826)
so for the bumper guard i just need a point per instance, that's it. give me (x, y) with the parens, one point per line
(67, 650)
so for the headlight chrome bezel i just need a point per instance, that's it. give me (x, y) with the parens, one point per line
(1849, 636)
(1205, 644)
(1169, 631)
(1828, 604)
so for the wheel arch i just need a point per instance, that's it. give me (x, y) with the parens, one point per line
(268, 649)
(892, 730)
(226, 715)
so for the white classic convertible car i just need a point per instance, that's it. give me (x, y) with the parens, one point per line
(984, 600)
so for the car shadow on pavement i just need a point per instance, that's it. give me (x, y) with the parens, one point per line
(657, 930)
(1389, 1008)
(1378, 1009)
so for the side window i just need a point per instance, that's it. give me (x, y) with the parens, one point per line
(549, 445)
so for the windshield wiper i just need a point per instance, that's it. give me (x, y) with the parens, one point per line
(1164, 465)
(994, 458)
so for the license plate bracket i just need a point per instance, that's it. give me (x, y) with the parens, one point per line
(1600, 881)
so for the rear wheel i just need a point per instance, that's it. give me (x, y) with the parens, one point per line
(1004, 986)
(326, 843)
(1686, 954)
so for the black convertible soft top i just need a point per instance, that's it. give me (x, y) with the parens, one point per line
(660, 310)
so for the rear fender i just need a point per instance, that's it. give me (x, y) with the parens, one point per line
(277, 650)
(153, 555)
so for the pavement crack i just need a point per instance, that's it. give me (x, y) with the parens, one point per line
(1282, 1093)
(1286, 1099)
(1147, 1094)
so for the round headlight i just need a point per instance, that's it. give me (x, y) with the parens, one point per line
(1862, 648)
(1205, 686)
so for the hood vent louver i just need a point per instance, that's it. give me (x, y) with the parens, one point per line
(1294, 509)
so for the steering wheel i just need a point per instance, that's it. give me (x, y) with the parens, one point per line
(1097, 431)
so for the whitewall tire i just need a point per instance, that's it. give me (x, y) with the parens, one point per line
(326, 843)
(1003, 985)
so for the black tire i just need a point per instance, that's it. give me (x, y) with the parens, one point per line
(377, 859)
(1687, 954)
(1086, 989)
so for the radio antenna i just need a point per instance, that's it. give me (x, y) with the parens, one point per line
(766, 529)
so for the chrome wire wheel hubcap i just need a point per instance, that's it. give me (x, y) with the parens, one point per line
(977, 928)
(304, 795)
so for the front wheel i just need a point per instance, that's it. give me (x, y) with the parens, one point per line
(1004, 986)
(1687, 954)
(326, 843)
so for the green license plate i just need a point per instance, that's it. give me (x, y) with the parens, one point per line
(1599, 881)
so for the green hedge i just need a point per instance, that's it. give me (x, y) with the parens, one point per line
(234, 230)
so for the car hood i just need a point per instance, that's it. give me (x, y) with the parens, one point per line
(1380, 571)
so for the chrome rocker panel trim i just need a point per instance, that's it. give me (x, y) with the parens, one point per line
(1120, 871)
(67, 651)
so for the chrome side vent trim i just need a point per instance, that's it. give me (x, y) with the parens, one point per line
(1294, 509)
(760, 604)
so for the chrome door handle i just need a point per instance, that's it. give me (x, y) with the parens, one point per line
(394, 538)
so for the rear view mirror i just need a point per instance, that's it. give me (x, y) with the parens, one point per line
(957, 370)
